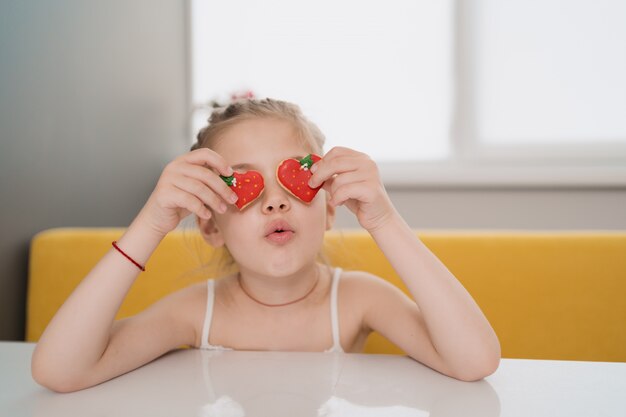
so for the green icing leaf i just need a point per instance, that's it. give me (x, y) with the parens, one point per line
(307, 161)
(228, 180)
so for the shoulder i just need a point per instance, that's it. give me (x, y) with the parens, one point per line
(197, 293)
(187, 306)
(370, 295)
(365, 283)
(193, 298)
(191, 293)
(170, 322)
(184, 304)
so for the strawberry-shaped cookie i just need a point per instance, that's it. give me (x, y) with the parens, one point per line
(293, 175)
(247, 185)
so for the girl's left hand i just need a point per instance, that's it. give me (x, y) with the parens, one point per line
(352, 179)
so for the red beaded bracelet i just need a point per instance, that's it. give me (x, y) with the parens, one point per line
(114, 243)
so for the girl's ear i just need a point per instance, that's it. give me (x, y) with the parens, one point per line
(210, 232)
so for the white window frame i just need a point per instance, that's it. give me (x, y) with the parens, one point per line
(475, 164)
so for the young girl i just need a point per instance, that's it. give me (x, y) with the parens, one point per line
(281, 298)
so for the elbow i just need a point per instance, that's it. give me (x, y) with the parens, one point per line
(481, 367)
(480, 364)
(479, 371)
(57, 386)
(53, 379)
(55, 383)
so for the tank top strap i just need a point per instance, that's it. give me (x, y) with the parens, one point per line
(208, 315)
(334, 314)
(208, 318)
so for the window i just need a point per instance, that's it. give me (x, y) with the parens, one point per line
(433, 88)
(548, 76)
(373, 75)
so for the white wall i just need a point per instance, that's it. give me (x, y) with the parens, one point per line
(508, 209)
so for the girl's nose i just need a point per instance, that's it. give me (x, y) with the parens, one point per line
(275, 200)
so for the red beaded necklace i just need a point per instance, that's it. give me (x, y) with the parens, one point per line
(282, 304)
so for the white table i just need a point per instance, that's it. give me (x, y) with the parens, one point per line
(230, 384)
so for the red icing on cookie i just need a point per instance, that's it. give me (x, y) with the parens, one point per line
(293, 175)
(247, 185)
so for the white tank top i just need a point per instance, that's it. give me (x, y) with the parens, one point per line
(210, 300)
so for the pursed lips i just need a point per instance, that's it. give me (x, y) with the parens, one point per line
(279, 232)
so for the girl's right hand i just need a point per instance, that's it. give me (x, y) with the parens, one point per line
(189, 184)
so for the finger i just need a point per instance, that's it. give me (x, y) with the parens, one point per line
(344, 179)
(207, 157)
(341, 151)
(201, 192)
(191, 203)
(326, 169)
(353, 191)
(208, 177)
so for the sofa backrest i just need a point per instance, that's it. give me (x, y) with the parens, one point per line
(547, 295)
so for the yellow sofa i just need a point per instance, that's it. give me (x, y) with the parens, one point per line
(547, 295)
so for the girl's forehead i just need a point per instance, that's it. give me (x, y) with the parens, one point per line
(260, 139)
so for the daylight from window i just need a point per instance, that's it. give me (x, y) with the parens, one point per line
(417, 80)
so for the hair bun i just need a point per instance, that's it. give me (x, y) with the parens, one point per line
(234, 97)
(245, 95)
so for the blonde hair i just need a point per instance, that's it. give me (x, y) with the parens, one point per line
(224, 117)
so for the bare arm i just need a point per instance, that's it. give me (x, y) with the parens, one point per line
(80, 333)
(82, 345)
(452, 334)
(443, 328)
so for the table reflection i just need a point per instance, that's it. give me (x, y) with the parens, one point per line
(334, 385)
(271, 383)
(236, 384)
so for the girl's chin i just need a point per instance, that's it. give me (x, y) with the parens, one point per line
(275, 260)
(277, 266)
